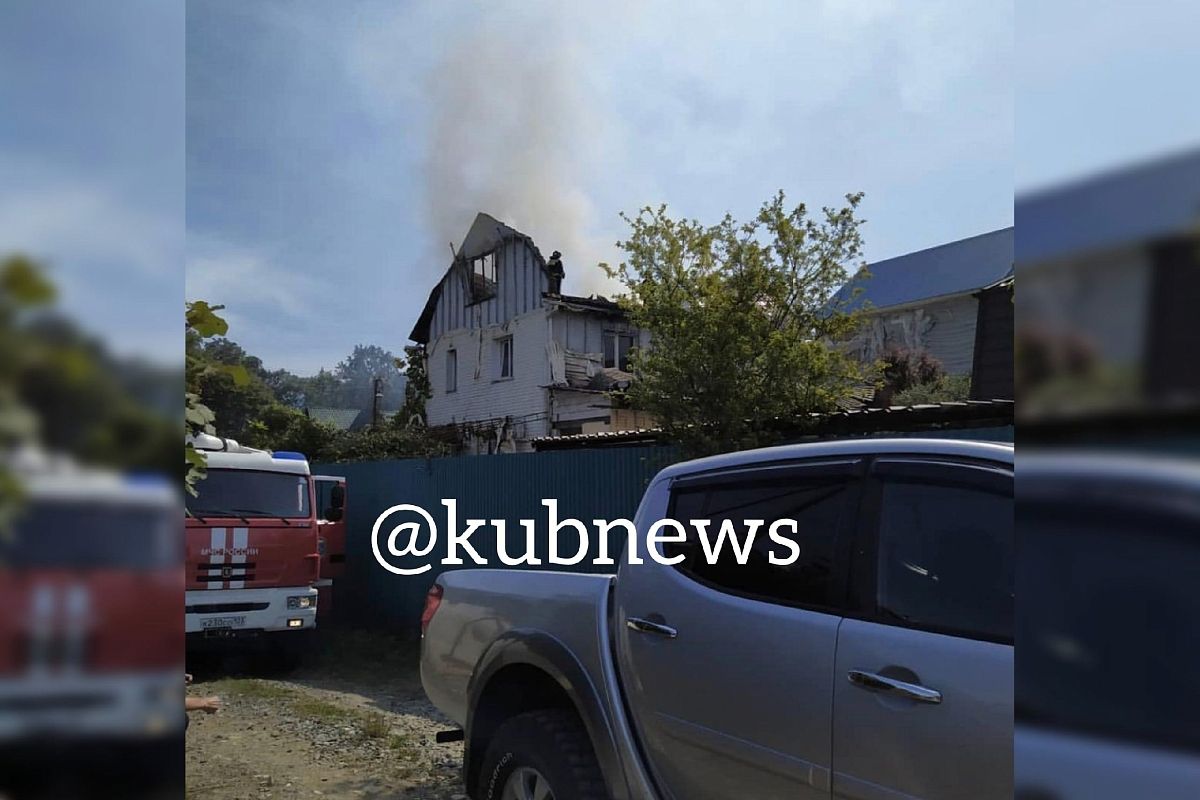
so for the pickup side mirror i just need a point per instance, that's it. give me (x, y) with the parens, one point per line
(332, 514)
(337, 497)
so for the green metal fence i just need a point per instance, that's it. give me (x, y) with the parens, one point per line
(588, 484)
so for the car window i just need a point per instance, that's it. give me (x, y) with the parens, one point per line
(324, 492)
(945, 557)
(1105, 642)
(819, 506)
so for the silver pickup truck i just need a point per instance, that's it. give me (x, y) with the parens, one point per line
(878, 664)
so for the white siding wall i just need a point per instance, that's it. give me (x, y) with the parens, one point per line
(487, 397)
(951, 339)
(520, 282)
(583, 331)
(945, 329)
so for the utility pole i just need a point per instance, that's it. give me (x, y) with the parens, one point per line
(375, 399)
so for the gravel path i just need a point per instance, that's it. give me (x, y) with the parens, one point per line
(352, 724)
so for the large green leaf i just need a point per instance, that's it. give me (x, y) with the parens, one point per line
(203, 318)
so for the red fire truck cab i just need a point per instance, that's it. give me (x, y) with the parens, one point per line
(252, 550)
(91, 670)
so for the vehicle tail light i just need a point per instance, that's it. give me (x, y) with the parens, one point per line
(432, 601)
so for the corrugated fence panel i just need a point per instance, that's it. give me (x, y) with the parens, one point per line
(588, 484)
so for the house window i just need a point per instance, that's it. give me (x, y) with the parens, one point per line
(504, 357)
(483, 277)
(616, 349)
(451, 370)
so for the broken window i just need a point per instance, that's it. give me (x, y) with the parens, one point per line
(451, 370)
(483, 277)
(504, 357)
(617, 347)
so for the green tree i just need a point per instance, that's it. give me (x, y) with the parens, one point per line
(417, 390)
(323, 390)
(359, 370)
(22, 287)
(201, 323)
(231, 391)
(741, 326)
(288, 388)
(62, 390)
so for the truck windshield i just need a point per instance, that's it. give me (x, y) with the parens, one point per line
(251, 494)
(55, 534)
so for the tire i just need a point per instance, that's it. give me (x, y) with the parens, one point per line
(551, 742)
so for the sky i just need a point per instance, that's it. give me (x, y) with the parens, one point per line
(92, 162)
(336, 151)
(311, 162)
(1102, 85)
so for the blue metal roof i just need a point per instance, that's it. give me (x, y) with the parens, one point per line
(953, 268)
(1133, 205)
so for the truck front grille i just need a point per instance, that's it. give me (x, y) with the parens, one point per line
(224, 608)
(210, 573)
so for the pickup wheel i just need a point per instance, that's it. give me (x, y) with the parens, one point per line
(541, 755)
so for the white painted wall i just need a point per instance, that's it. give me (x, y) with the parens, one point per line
(481, 394)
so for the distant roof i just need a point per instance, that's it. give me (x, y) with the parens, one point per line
(341, 419)
(486, 234)
(1136, 204)
(963, 266)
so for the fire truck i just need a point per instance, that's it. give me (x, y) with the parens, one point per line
(91, 663)
(252, 551)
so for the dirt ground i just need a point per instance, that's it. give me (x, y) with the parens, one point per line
(352, 722)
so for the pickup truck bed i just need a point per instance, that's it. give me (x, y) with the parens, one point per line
(491, 630)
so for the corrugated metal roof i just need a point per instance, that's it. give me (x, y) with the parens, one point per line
(1133, 205)
(963, 266)
(341, 419)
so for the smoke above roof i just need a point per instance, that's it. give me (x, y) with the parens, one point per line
(514, 131)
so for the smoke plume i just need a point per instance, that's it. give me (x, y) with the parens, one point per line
(515, 129)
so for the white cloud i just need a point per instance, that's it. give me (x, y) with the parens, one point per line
(114, 256)
(74, 221)
(244, 279)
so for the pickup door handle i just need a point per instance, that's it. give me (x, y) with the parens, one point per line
(646, 626)
(882, 683)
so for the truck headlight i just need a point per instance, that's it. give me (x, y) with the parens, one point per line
(303, 601)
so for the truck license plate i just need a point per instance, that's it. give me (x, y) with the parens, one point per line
(217, 623)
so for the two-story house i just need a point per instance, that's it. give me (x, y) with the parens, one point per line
(510, 358)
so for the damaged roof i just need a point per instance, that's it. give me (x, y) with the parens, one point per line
(485, 235)
(967, 265)
(593, 303)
